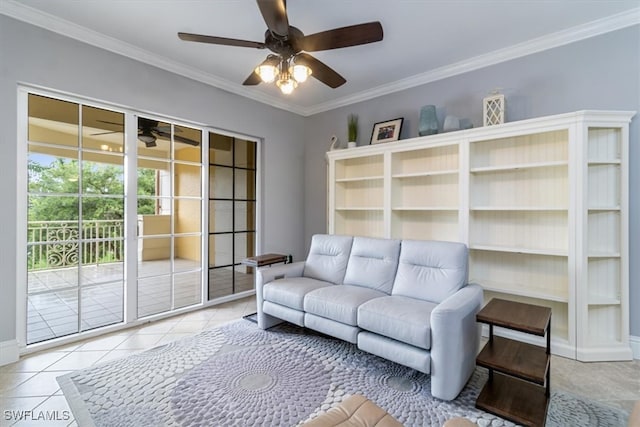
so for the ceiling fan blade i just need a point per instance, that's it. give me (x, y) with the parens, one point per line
(106, 133)
(252, 80)
(320, 70)
(184, 140)
(274, 13)
(166, 128)
(219, 40)
(176, 138)
(337, 38)
(111, 123)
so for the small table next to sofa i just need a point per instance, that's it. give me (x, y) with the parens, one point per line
(262, 261)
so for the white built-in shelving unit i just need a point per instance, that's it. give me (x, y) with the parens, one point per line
(541, 203)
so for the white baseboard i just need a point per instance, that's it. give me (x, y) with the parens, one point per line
(635, 346)
(9, 352)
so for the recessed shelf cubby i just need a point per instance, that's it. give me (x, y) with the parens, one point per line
(425, 224)
(359, 194)
(425, 192)
(521, 150)
(520, 231)
(529, 275)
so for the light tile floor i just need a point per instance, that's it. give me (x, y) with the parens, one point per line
(30, 384)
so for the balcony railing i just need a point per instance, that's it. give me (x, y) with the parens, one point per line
(58, 244)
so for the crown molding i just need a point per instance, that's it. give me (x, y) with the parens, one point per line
(41, 19)
(549, 41)
(66, 28)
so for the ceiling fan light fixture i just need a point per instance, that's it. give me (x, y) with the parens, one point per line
(267, 72)
(286, 84)
(300, 72)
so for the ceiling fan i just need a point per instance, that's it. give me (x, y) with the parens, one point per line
(291, 65)
(149, 131)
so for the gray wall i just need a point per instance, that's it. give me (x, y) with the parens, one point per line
(32, 55)
(597, 73)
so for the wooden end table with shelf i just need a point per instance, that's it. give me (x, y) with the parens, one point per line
(518, 387)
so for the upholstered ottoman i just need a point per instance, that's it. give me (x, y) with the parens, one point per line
(459, 422)
(355, 411)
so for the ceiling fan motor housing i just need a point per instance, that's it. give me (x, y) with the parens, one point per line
(285, 46)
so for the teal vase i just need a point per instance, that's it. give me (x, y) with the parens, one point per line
(428, 121)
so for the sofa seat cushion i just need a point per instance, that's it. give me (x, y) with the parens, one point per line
(339, 303)
(290, 291)
(404, 319)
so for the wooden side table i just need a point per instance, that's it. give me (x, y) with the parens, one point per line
(266, 259)
(518, 388)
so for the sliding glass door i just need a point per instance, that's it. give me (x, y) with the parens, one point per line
(75, 238)
(116, 215)
(232, 214)
(169, 216)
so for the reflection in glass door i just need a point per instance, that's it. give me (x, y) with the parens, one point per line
(169, 216)
(75, 225)
(232, 214)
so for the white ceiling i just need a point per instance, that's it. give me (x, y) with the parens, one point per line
(424, 40)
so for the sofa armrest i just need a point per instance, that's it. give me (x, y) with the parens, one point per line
(455, 341)
(265, 275)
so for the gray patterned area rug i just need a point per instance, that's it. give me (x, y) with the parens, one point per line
(240, 375)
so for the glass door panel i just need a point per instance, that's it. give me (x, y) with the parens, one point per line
(154, 256)
(221, 182)
(220, 216)
(232, 199)
(187, 251)
(187, 288)
(75, 218)
(188, 180)
(220, 149)
(187, 216)
(154, 295)
(101, 293)
(169, 216)
(53, 122)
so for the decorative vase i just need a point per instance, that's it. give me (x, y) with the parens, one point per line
(451, 123)
(428, 121)
(351, 144)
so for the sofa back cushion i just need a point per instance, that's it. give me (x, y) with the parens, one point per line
(431, 270)
(373, 263)
(328, 257)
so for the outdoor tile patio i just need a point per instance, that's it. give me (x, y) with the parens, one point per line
(52, 306)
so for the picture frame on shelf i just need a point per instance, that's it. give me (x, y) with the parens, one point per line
(386, 131)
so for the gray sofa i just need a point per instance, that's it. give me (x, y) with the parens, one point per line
(404, 300)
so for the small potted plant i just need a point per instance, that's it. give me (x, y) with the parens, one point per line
(352, 130)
